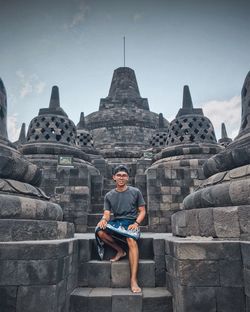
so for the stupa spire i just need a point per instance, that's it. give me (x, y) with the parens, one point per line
(187, 100)
(187, 104)
(245, 100)
(22, 135)
(81, 123)
(161, 121)
(223, 131)
(3, 112)
(54, 98)
(54, 104)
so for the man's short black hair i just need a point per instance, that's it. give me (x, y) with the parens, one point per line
(121, 168)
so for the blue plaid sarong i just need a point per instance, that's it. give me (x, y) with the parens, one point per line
(118, 229)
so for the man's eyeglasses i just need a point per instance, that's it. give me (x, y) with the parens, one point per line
(119, 175)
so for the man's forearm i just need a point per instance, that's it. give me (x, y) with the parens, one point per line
(141, 215)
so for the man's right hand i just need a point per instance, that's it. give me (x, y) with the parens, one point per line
(102, 224)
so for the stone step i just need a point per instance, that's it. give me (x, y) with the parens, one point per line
(88, 248)
(120, 300)
(96, 273)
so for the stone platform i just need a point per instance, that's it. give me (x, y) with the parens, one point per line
(104, 286)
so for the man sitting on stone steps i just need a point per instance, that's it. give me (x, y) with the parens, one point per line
(128, 207)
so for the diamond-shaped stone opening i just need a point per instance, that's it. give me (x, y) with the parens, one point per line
(191, 138)
(38, 124)
(62, 120)
(202, 136)
(177, 121)
(185, 120)
(57, 124)
(206, 131)
(52, 130)
(66, 127)
(200, 124)
(196, 130)
(47, 124)
(35, 120)
(180, 125)
(194, 119)
(33, 131)
(185, 131)
(172, 140)
(176, 133)
(62, 132)
(71, 134)
(43, 119)
(47, 136)
(190, 125)
(42, 130)
(211, 138)
(58, 137)
(181, 138)
(53, 118)
(203, 119)
(36, 137)
(68, 139)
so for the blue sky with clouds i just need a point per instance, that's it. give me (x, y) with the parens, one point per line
(77, 45)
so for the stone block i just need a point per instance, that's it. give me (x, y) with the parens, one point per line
(84, 250)
(245, 249)
(156, 297)
(206, 222)
(160, 269)
(244, 219)
(36, 298)
(99, 273)
(79, 300)
(193, 227)
(195, 299)
(123, 300)
(120, 274)
(146, 273)
(246, 274)
(206, 273)
(159, 246)
(231, 273)
(230, 299)
(226, 222)
(100, 300)
(8, 296)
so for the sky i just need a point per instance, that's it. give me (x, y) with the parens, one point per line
(77, 44)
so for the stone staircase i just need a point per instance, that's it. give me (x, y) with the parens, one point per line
(104, 286)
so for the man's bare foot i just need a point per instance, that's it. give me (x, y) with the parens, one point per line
(135, 288)
(118, 256)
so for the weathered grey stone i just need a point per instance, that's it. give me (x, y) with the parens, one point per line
(195, 299)
(36, 298)
(206, 273)
(8, 297)
(226, 222)
(230, 299)
(100, 300)
(99, 273)
(120, 274)
(156, 297)
(79, 300)
(231, 273)
(123, 300)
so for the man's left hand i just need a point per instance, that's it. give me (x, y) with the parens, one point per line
(133, 226)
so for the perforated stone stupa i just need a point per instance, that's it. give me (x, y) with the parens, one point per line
(67, 171)
(177, 168)
(217, 215)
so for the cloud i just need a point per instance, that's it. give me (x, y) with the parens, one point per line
(29, 84)
(227, 111)
(137, 17)
(13, 128)
(79, 17)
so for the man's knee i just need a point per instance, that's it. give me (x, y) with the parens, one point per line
(132, 243)
(100, 234)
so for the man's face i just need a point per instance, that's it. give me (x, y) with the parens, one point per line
(120, 178)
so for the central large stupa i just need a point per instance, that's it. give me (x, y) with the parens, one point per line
(124, 124)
